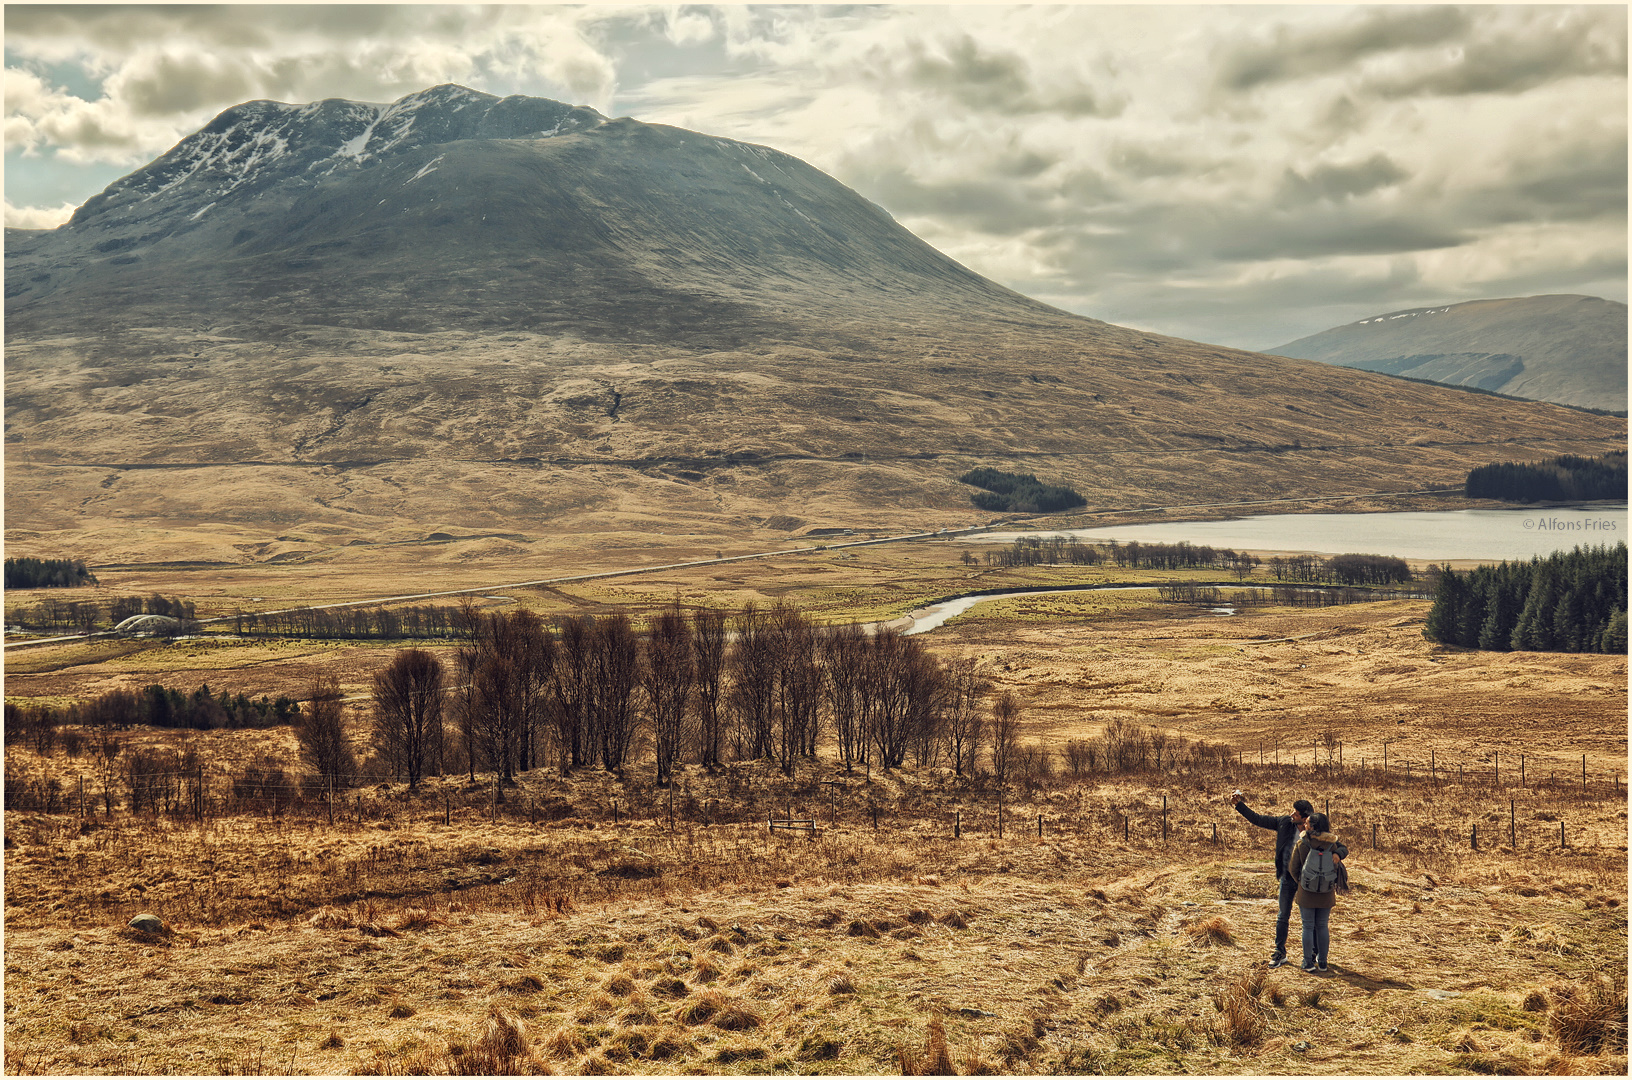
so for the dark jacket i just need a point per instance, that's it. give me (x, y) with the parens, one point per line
(1324, 842)
(1286, 834)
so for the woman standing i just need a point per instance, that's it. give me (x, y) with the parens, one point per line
(1317, 866)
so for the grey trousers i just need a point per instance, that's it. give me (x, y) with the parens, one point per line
(1317, 923)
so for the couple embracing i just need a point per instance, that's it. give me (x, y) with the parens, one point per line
(1309, 867)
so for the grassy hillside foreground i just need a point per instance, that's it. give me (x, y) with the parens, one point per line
(545, 938)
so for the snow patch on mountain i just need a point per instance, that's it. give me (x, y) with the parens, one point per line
(261, 144)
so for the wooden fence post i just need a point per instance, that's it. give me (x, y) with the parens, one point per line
(1476, 836)
(957, 824)
(1164, 819)
(1374, 836)
(1513, 823)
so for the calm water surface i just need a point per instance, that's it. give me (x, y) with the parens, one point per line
(1445, 534)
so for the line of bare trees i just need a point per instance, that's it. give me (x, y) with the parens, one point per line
(703, 687)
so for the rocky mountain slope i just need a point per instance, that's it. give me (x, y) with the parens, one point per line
(459, 312)
(1569, 349)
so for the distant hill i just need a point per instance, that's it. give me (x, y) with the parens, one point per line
(1565, 349)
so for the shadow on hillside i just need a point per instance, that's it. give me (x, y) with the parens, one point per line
(1368, 983)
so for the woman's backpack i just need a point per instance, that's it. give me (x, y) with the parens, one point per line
(1319, 871)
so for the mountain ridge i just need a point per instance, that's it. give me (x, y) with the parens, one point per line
(1566, 348)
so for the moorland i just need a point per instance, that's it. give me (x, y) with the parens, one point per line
(1087, 916)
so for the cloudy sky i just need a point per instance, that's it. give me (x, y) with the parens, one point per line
(1238, 175)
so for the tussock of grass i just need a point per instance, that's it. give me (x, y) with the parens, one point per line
(502, 1049)
(935, 1060)
(1590, 1017)
(329, 918)
(564, 1042)
(1213, 931)
(1242, 1020)
(526, 983)
(619, 984)
(418, 919)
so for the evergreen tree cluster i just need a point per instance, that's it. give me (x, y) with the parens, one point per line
(1180, 556)
(30, 573)
(1568, 602)
(1561, 479)
(158, 706)
(1019, 493)
(1342, 569)
(391, 624)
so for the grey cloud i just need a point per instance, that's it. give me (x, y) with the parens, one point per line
(1144, 163)
(1588, 43)
(1335, 182)
(123, 25)
(990, 206)
(1290, 54)
(1581, 183)
(175, 84)
(990, 81)
(1318, 237)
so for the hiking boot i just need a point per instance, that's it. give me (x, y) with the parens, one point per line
(1320, 968)
(1310, 968)
(1277, 961)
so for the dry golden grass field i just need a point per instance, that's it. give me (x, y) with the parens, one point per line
(1119, 924)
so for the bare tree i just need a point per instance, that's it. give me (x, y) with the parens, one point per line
(1125, 746)
(408, 714)
(708, 652)
(667, 677)
(963, 726)
(321, 732)
(465, 662)
(753, 685)
(902, 691)
(844, 652)
(1158, 742)
(616, 666)
(1005, 736)
(798, 683)
(572, 694)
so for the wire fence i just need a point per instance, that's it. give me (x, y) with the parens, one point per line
(1527, 808)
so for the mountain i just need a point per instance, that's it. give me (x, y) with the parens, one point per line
(1568, 349)
(343, 323)
(454, 209)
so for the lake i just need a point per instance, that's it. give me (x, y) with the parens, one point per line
(1487, 535)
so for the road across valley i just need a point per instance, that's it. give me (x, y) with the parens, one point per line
(941, 534)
